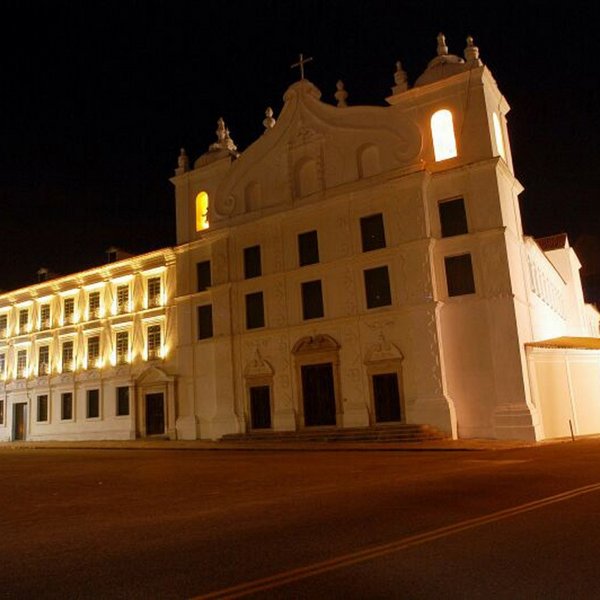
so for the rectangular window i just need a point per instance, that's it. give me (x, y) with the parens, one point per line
(255, 310)
(312, 300)
(252, 264)
(42, 408)
(372, 232)
(69, 310)
(23, 320)
(377, 287)
(2, 364)
(93, 351)
(22, 363)
(122, 401)
(453, 217)
(205, 322)
(203, 275)
(94, 305)
(67, 356)
(3, 325)
(66, 406)
(93, 404)
(43, 360)
(122, 347)
(154, 292)
(308, 248)
(153, 342)
(123, 299)
(1, 412)
(45, 316)
(459, 275)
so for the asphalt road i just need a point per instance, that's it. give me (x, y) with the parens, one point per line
(521, 523)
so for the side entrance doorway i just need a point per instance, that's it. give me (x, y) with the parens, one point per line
(155, 414)
(386, 397)
(318, 394)
(20, 421)
(260, 407)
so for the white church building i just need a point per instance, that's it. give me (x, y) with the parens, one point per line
(356, 266)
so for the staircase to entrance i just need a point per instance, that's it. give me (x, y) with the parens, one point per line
(377, 433)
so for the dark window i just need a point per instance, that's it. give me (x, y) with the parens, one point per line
(203, 275)
(205, 322)
(255, 310)
(93, 404)
(372, 232)
(42, 408)
(453, 217)
(377, 287)
(312, 299)
(1, 412)
(308, 248)
(459, 275)
(122, 401)
(252, 266)
(66, 406)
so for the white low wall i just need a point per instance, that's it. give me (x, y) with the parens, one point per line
(565, 386)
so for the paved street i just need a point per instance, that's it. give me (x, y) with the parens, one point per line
(129, 523)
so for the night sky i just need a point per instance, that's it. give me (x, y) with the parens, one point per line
(98, 98)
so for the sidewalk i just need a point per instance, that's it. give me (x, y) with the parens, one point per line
(198, 445)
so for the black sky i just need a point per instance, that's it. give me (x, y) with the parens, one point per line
(97, 99)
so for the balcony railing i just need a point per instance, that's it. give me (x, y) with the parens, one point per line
(154, 301)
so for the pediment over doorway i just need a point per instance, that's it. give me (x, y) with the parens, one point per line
(316, 343)
(382, 350)
(153, 375)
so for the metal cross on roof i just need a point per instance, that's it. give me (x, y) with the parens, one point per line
(301, 64)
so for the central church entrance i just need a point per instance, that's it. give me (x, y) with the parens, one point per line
(318, 394)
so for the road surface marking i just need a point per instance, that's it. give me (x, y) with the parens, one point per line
(345, 560)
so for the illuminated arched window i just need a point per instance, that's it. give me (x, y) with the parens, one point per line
(498, 135)
(442, 131)
(201, 211)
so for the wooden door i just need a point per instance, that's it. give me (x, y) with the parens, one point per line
(155, 414)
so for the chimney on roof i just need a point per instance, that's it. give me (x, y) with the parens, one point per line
(114, 254)
(43, 274)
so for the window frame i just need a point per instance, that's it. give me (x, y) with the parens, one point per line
(208, 309)
(89, 393)
(452, 288)
(377, 304)
(370, 239)
(307, 288)
(38, 406)
(203, 275)
(118, 399)
(252, 261)
(63, 397)
(308, 248)
(248, 300)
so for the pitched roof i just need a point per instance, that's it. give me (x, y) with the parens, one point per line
(553, 242)
(571, 343)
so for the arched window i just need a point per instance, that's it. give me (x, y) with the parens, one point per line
(201, 211)
(498, 135)
(442, 131)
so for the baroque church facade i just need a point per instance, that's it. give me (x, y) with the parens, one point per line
(355, 266)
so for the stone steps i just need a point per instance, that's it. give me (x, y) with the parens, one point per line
(380, 433)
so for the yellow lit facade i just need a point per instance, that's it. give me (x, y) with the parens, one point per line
(59, 340)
